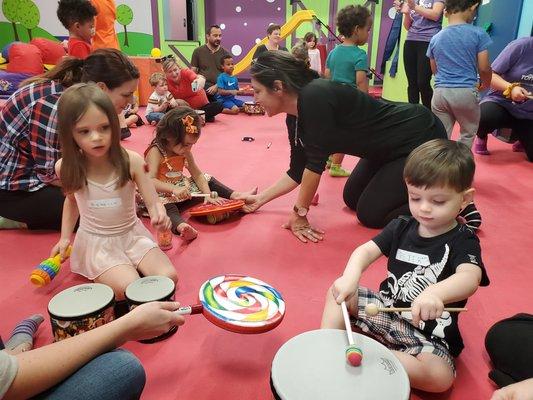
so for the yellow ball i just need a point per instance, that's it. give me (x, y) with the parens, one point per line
(156, 52)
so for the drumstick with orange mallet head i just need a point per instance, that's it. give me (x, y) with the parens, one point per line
(372, 309)
(354, 355)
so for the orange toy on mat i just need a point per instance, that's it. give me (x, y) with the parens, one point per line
(216, 212)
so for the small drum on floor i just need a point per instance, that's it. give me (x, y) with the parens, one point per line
(312, 366)
(151, 288)
(80, 308)
(216, 212)
(251, 108)
(201, 114)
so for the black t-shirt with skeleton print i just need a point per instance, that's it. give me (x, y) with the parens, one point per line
(416, 262)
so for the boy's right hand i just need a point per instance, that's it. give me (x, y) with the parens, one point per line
(181, 193)
(343, 289)
(152, 319)
(61, 248)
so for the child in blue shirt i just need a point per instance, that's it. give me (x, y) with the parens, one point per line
(347, 63)
(228, 87)
(457, 54)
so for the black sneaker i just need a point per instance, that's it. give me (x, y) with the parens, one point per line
(124, 133)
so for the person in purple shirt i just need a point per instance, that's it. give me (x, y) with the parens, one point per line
(509, 103)
(423, 20)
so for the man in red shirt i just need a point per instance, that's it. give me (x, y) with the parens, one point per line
(78, 17)
(185, 84)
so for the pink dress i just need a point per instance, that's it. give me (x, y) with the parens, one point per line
(110, 234)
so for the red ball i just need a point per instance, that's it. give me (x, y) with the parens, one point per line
(355, 358)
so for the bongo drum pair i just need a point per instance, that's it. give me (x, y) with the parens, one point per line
(84, 307)
(312, 366)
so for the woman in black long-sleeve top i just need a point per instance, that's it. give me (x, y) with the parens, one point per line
(326, 117)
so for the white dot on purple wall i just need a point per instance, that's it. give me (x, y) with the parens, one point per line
(271, 1)
(236, 50)
(392, 13)
(245, 24)
(257, 40)
(238, 8)
(279, 8)
(222, 26)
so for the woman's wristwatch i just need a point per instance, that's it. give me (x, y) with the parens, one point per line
(300, 211)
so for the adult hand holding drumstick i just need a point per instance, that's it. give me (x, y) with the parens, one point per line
(43, 368)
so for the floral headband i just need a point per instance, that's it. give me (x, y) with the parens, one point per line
(190, 126)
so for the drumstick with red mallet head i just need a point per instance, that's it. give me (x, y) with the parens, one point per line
(212, 195)
(354, 355)
(372, 309)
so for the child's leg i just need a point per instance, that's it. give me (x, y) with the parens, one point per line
(118, 278)
(335, 168)
(441, 108)
(427, 371)
(228, 193)
(179, 226)
(132, 119)
(465, 107)
(155, 262)
(232, 111)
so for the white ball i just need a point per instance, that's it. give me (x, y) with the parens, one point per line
(236, 50)
(238, 8)
(222, 26)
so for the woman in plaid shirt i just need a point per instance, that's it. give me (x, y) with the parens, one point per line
(30, 192)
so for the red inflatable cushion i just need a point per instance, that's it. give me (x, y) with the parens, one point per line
(25, 58)
(52, 52)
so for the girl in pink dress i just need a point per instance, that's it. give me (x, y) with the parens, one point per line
(99, 178)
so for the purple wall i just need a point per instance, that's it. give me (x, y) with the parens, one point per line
(242, 28)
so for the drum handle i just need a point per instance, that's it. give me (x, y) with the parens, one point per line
(194, 309)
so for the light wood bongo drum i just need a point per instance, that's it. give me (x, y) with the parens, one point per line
(312, 366)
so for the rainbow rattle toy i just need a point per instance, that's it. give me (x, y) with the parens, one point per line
(47, 270)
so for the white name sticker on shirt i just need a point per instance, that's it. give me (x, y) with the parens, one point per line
(105, 203)
(412, 258)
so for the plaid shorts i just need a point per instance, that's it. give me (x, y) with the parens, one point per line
(396, 333)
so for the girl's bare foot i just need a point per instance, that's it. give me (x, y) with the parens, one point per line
(187, 232)
(243, 195)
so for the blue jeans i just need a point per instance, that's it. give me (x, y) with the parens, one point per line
(114, 375)
(154, 116)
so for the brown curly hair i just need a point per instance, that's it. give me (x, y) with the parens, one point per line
(350, 17)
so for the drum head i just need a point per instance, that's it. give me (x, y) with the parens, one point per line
(213, 209)
(312, 366)
(81, 300)
(241, 304)
(150, 288)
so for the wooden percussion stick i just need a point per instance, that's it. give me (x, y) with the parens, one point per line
(372, 309)
(349, 332)
(212, 195)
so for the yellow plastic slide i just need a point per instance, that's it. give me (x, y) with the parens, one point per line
(289, 27)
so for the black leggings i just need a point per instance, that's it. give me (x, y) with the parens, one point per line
(212, 109)
(377, 192)
(173, 209)
(41, 209)
(494, 116)
(418, 71)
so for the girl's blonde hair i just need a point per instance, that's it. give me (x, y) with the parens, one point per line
(72, 105)
(176, 125)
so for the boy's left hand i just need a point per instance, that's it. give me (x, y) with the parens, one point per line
(426, 306)
(159, 218)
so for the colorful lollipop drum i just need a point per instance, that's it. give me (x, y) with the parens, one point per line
(239, 303)
(312, 366)
(151, 288)
(81, 308)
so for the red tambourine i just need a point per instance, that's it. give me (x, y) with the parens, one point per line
(216, 212)
(239, 303)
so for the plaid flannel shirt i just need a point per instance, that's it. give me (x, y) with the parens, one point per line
(29, 142)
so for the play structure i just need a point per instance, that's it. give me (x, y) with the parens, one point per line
(290, 26)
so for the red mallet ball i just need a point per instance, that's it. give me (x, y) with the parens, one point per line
(354, 355)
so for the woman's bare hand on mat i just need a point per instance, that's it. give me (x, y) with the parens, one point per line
(302, 229)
